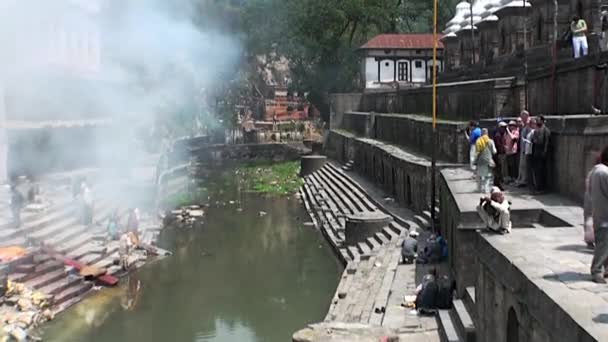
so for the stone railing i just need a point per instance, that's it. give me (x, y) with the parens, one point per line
(414, 132)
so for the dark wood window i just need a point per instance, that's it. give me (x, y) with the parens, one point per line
(402, 71)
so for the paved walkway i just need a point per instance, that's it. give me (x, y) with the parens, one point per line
(555, 258)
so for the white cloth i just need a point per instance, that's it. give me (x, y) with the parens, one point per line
(504, 216)
(580, 47)
(472, 157)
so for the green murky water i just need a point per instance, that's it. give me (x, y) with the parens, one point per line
(240, 277)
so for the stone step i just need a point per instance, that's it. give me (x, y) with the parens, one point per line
(462, 321)
(337, 194)
(426, 214)
(53, 217)
(353, 252)
(77, 241)
(469, 302)
(447, 331)
(351, 185)
(364, 248)
(45, 279)
(72, 291)
(397, 228)
(372, 243)
(48, 232)
(46, 267)
(25, 268)
(344, 254)
(422, 222)
(107, 261)
(389, 233)
(66, 234)
(85, 249)
(413, 226)
(381, 238)
(15, 241)
(60, 285)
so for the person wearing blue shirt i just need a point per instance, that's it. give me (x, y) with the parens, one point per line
(472, 133)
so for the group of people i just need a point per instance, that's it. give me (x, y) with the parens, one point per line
(596, 216)
(512, 152)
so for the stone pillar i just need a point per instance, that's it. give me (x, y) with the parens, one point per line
(310, 164)
(363, 225)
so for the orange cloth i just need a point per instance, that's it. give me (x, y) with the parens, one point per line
(11, 253)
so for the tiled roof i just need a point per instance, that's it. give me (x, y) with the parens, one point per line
(403, 41)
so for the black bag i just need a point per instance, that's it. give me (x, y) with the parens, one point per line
(445, 292)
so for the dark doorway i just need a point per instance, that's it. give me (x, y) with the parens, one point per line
(512, 327)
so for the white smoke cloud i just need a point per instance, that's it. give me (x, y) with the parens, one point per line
(130, 60)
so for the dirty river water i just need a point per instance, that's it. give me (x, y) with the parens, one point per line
(240, 276)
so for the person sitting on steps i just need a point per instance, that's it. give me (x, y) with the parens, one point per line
(409, 247)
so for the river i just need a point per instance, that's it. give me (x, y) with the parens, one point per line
(241, 276)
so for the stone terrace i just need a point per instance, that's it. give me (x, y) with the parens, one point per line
(540, 270)
(58, 228)
(373, 284)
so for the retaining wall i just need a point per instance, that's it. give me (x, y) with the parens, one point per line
(401, 174)
(414, 132)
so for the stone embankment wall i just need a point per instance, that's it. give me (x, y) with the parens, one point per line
(404, 175)
(577, 85)
(414, 132)
(575, 141)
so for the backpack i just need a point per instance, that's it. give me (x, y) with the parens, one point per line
(445, 292)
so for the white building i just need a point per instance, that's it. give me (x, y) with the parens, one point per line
(406, 59)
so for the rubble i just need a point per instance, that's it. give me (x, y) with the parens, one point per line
(187, 215)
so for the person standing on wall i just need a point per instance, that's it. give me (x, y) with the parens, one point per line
(472, 133)
(500, 171)
(540, 149)
(485, 150)
(524, 129)
(598, 185)
(511, 146)
(578, 27)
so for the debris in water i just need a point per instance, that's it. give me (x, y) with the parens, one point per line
(263, 213)
(231, 202)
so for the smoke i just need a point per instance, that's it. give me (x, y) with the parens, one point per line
(135, 63)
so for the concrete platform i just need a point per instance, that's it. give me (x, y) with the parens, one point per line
(541, 272)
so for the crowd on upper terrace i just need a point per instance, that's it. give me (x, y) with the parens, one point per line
(504, 27)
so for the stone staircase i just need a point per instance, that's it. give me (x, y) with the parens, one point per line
(59, 228)
(457, 324)
(368, 279)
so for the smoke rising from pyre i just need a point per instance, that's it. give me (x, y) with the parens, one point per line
(134, 63)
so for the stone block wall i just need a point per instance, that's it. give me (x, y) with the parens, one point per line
(414, 132)
(455, 101)
(407, 180)
(340, 104)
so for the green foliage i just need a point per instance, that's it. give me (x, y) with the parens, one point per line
(319, 37)
(275, 179)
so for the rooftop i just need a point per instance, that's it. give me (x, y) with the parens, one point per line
(402, 41)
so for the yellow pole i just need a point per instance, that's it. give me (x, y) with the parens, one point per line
(435, 63)
(434, 148)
